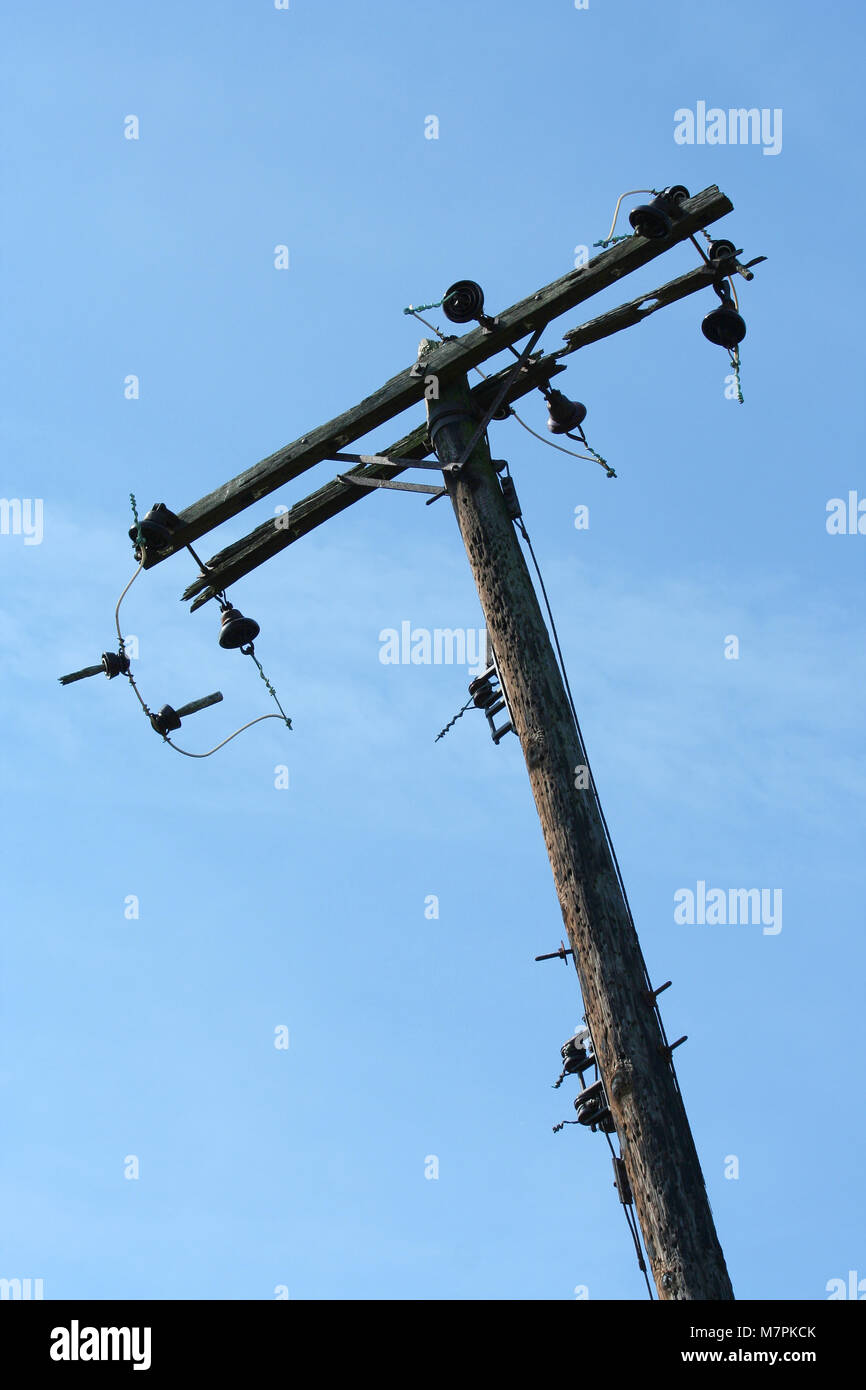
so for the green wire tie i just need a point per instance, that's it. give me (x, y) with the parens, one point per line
(735, 363)
(416, 308)
(270, 689)
(137, 541)
(597, 456)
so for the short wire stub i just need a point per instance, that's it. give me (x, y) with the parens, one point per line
(236, 631)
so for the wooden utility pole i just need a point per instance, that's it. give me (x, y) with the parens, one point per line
(657, 1146)
(633, 1057)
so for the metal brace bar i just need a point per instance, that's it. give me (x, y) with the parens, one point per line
(497, 400)
(390, 483)
(387, 459)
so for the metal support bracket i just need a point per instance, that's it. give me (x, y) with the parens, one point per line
(653, 994)
(621, 1182)
(390, 483)
(558, 955)
(666, 1051)
(387, 460)
(437, 420)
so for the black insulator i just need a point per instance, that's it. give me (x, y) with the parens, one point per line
(654, 219)
(113, 664)
(463, 301)
(482, 692)
(236, 630)
(721, 250)
(590, 1095)
(575, 1058)
(157, 526)
(724, 327)
(650, 219)
(593, 1110)
(165, 721)
(676, 194)
(595, 1114)
(509, 492)
(590, 1112)
(564, 415)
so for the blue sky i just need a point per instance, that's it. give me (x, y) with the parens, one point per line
(305, 907)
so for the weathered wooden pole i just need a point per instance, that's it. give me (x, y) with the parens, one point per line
(660, 1157)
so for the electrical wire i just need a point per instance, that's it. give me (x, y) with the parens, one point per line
(630, 193)
(451, 722)
(225, 740)
(735, 353)
(578, 730)
(571, 452)
(631, 1222)
(522, 526)
(122, 597)
(485, 376)
(567, 685)
(608, 837)
(700, 250)
(249, 651)
(735, 364)
(426, 322)
(131, 679)
(710, 238)
(129, 676)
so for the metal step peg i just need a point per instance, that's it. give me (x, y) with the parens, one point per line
(111, 665)
(166, 720)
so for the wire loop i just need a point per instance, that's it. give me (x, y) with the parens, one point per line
(247, 652)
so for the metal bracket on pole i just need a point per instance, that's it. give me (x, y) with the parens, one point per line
(653, 994)
(437, 419)
(390, 483)
(666, 1050)
(622, 1185)
(492, 701)
(387, 459)
(558, 955)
